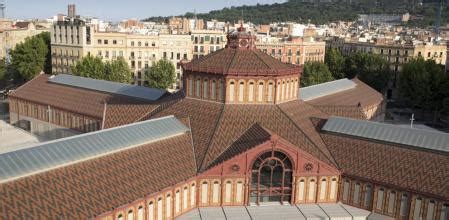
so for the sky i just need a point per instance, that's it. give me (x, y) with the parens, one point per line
(116, 10)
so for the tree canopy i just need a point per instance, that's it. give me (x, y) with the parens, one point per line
(32, 56)
(372, 69)
(315, 73)
(93, 67)
(335, 61)
(161, 74)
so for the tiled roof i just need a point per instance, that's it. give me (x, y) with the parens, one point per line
(78, 100)
(382, 163)
(89, 188)
(252, 62)
(122, 114)
(361, 94)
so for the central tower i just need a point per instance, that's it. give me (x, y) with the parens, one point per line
(241, 74)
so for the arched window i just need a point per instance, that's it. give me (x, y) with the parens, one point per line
(251, 92)
(204, 192)
(391, 202)
(271, 178)
(283, 91)
(270, 92)
(356, 197)
(231, 91)
(346, 190)
(168, 206)
(192, 195)
(198, 88)
(301, 189)
(241, 91)
(287, 89)
(323, 188)
(130, 215)
(417, 211)
(185, 197)
(292, 89)
(368, 196)
(140, 213)
(177, 201)
(296, 88)
(430, 210)
(120, 217)
(213, 90)
(228, 191)
(260, 92)
(190, 87)
(333, 188)
(278, 91)
(311, 195)
(239, 192)
(150, 211)
(220, 90)
(216, 192)
(159, 209)
(404, 205)
(380, 199)
(205, 89)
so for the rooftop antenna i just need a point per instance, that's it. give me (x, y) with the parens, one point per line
(2, 9)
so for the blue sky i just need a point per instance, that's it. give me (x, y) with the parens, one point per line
(118, 9)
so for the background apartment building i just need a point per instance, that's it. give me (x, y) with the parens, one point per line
(74, 37)
(297, 50)
(207, 41)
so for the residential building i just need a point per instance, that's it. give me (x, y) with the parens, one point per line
(235, 135)
(207, 41)
(296, 50)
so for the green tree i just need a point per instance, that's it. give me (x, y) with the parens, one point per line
(374, 70)
(118, 71)
(336, 62)
(91, 67)
(3, 69)
(315, 73)
(161, 74)
(424, 84)
(31, 57)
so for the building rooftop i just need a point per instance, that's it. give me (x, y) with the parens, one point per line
(325, 89)
(134, 91)
(376, 131)
(62, 152)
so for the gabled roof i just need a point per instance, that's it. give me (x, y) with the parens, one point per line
(66, 151)
(250, 62)
(134, 91)
(375, 131)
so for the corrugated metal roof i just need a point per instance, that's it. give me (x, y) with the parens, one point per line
(108, 87)
(324, 89)
(438, 141)
(53, 154)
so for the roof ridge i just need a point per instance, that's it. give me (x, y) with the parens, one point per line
(213, 135)
(263, 61)
(226, 72)
(332, 160)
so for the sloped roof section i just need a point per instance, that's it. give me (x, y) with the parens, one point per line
(62, 152)
(324, 89)
(251, 62)
(424, 139)
(134, 91)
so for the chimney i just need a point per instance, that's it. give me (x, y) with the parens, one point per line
(71, 11)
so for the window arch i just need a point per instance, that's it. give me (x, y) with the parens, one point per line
(283, 90)
(204, 192)
(220, 90)
(311, 195)
(228, 191)
(168, 206)
(120, 217)
(287, 89)
(333, 188)
(185, 194)
(380, 199)
(239, 192)
(345, 190)
(278, 91)
(159, 208)
(130, 215)
(205, 88)
(417, 211)
(151, 211)
(430, 210)
(251, 92)
(260, 90)
(192, 194)
(368, 196)
(140, 213)
(356, 197)
(216, 192)
(177, 201)
(213, 90)
(270, 92)
(444, 211)
(323, 188)
(198, 88)
(271, 178)
(190, 87)
(231, 91)
(301, 190)
(403, 210)
(241, 91)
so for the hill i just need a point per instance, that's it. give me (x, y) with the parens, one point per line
(322, 11)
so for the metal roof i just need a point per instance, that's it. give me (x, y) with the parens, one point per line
(108, 87)
(62, 152)
(316, 91)
(438, 141)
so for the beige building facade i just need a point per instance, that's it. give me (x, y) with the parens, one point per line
(207, 41)
(10, 37)
(72, 40)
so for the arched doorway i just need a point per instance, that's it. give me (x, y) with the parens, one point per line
(271, 178)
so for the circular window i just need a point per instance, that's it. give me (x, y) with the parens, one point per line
(308, 167)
